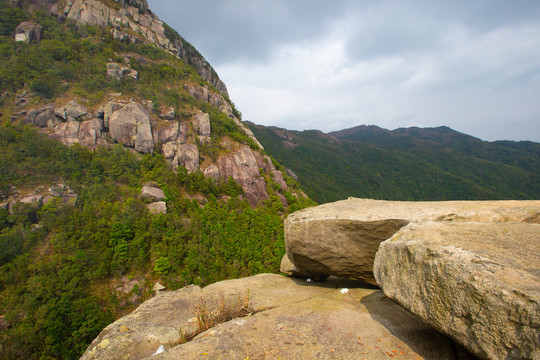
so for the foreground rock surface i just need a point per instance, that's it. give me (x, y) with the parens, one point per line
(342, 238)
(477, 283)
(293, 319)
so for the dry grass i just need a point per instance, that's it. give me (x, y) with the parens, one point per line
(212, 313)
(221, 310)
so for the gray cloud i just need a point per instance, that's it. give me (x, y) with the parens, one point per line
(304, 64)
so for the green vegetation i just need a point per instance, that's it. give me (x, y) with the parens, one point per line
(69, 269)
(56, 261)
(407, 164)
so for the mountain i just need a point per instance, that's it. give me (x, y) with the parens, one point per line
(404, 164)
(124, 166)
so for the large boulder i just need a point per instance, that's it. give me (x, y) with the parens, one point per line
(29, 32)
(90, 133)
(152, 193)
(290, 319)
(158, 207)
(188, 156)
(342, 238)
(478, 283)
(131, 126)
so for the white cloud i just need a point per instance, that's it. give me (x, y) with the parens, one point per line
(388, 63)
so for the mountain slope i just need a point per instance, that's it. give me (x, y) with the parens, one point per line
(122, 163)
(404, 164)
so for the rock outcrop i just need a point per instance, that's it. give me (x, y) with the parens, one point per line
(72, 111)
(477, 283)
(342, 238)
(243, 166)
(131, 126)
(29, 32)
(158, 207)
(133, 21)
(151, 193)
(291, 319)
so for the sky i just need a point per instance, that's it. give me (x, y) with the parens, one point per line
(472, 65)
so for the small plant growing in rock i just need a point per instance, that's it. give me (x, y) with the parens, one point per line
(221, 310)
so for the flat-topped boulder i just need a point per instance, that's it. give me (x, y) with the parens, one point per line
(288, 319)
(341, 238)
(478, 283)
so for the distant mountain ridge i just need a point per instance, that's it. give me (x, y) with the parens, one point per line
(405, 164)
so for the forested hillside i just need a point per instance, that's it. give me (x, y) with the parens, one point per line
(405, 164)
(79, 246)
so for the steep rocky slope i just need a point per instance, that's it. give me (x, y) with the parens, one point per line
(176, 106)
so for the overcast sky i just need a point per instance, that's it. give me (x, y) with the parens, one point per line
(473, 65)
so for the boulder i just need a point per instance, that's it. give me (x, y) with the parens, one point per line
(67, 133)
(342, 238)
(188, 156)
(109, 109)
(477, 283)
(35, 201)
(166, 131)
(158, 207)
(28, 32)
(131, 126)
(168, 113)
(90, 133)
(42, 117)
(72, 111)
(280, 180)
(291, 174)
(290, 319)
(114, 70)
(152, 194)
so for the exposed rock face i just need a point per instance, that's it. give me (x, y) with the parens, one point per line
(293, 320)
(67, 133)
(202, 123)
(243, 166)
(166, 132)
(158, 207)
(132, 18)
(72, 111)
(342, 238)
(131, 126)
(36, 201)
(28, 32)
(90, 133)
(151, 193)
(116, 71)
(203, 94)
(211, 171)
(477, 283)
(188, 156)
(42, 117)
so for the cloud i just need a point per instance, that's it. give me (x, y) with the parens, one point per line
(308, 64)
